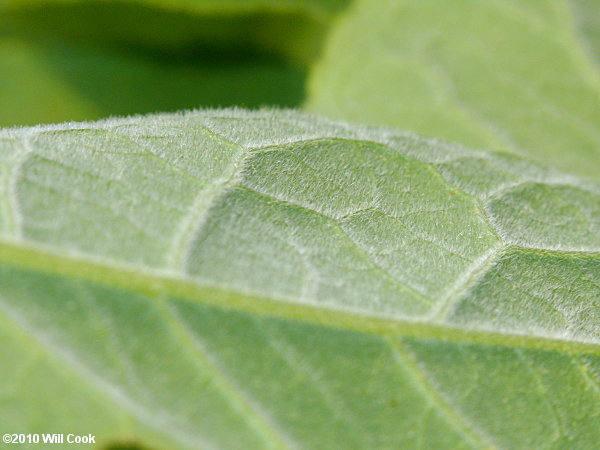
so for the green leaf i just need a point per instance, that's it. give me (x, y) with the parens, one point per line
(271, 280)
(500, 74)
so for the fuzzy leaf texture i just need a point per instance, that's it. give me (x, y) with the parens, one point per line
(226, 279)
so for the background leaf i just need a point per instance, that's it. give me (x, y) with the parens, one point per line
(270, 279)
(505, 75)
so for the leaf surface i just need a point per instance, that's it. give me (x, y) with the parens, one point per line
(225, 279)
(505, 75)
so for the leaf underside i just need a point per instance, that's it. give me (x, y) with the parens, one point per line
(225, 279)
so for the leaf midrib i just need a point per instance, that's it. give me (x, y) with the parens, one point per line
(157, 284)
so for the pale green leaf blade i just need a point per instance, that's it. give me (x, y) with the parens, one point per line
(504, 75)
(225, 279)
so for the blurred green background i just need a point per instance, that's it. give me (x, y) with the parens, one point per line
(83, 60)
